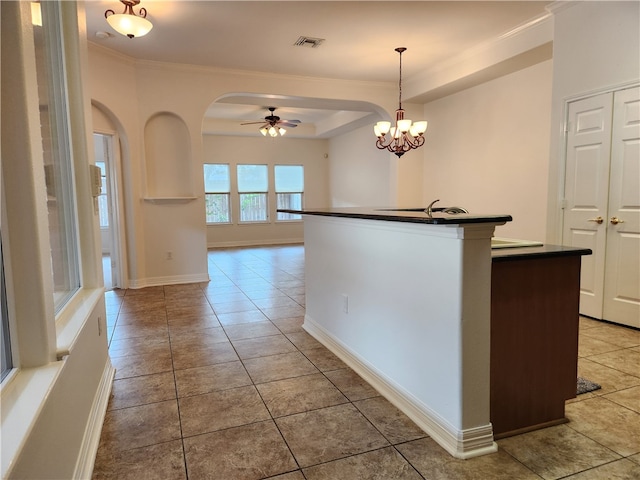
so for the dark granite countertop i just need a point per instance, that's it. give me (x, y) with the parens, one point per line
(409, 215)
(543, 251)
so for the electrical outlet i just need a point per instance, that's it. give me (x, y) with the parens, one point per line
(169, 255)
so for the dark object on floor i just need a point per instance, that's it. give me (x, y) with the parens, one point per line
(585, 386)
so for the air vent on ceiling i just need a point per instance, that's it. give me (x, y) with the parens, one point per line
(309, 42)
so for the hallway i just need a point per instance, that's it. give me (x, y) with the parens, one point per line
(218, 380)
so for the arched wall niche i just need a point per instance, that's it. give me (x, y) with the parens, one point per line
(167, 154)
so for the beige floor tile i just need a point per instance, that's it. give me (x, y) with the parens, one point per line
(324, 359)
(130, 331)
(610, 379)
(303, 341)
(185, 356)
(140, 426)
(185, 324)
(278, 367)
(433, 462)
(589, 346)
(626, 360)
(272, 302)
(263, 346)
(239, 406)
(196, 381)
(242, 317)
(189, 310)
(143, 364)
(146, 291)
(557, 451)
(391, 422)
(328, 434)
(234, 306)
(629, 398)
(129, 392)
(143, 317)
(617, 335)
(198, 338)
(273, 313)
(385, 463)
(251, 330)
(351, 384)
(289, 325)
(155, 344)
(619, 470)
(296, 395)
(297, 475)
(249, 452)
(608, 423)
(164, 460)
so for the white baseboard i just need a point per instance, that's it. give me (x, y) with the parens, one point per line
(91, 440)
(463, 444)
(256, 243)
(170, 280)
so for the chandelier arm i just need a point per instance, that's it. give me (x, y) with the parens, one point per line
(109, 12)
(143, 12)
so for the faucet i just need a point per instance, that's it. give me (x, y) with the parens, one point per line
(450, 210)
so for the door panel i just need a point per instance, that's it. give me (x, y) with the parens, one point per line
(586, 192)
(622, 273)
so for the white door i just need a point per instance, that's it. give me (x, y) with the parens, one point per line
(622, 270)
(587, 191)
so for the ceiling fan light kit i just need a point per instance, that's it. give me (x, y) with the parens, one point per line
(405, 135)
(128, 23)
(274, 126)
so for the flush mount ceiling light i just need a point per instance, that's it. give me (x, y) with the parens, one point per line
(128, 23)
(405, 135)
(273, 125)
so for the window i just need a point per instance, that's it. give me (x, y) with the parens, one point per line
(54, 122)
(5, 341)
(103, 209)
(216, 193)
(253, 184)
(289, 190)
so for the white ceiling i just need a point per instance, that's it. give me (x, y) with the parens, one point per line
(360, 38)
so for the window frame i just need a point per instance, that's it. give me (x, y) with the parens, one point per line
(264, 195)
(226, 193)
(287, 217)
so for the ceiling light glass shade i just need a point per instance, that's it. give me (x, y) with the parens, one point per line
(282, 131)
(129, 25)
(405, 135)
(264, 131)
(273, 132)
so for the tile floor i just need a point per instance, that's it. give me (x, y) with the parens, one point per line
(218, 380)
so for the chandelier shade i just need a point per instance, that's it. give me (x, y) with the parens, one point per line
(404, 135)
(128, 23)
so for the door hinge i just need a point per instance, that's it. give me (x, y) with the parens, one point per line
(563, 203)
(567, 127)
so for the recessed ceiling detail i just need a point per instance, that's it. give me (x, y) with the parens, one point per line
(309, 42)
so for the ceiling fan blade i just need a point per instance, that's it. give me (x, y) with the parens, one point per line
(291, 121)
(252, 123)
(287, 124)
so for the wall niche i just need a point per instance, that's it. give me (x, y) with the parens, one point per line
(168, 165)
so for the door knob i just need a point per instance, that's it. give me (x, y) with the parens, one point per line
(615, 221)
(598, 220)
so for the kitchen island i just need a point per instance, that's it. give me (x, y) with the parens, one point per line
(404, 298)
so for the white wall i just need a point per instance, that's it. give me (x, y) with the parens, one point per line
(180, 227)
(270, 151)
(596, 47)
(487, 150)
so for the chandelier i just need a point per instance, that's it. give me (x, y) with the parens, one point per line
(404, 135)
(128, 23)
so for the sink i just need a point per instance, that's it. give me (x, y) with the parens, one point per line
(499, 242)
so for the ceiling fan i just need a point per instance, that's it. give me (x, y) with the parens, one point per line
(274, 126)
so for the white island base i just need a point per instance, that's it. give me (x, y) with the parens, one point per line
(407, 306)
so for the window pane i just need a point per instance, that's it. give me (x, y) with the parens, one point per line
(252, 178)
(217, 206)
(289, 201)
(253, 207)
(54, 122)
(5, 343)
(289, 178)
(216, 178)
